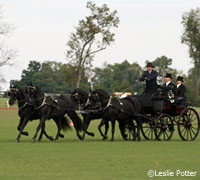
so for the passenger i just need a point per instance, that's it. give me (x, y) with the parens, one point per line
(168, 87)
(150, 78)
(180, 90)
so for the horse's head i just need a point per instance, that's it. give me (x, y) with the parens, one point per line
(97, 98)
(30, 90)
(13, 93)
(80, 97)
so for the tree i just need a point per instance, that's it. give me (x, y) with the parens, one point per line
(6, 54)
(191, 37)
(162, 66)
(93, 34)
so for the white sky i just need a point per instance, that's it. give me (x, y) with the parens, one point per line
(148, 29)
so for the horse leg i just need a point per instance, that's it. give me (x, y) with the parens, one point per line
(44, 132)
(75, 119)
(20, 125)
(137, 135)
(42, 121)
(21, 128)
(122, 124)
(57, 121)
(86, 122)
(103, 121)
(106, 129)
(139, 128)
(113, 129)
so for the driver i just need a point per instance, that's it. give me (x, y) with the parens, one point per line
(150, 77)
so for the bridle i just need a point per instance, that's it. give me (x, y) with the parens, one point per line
(81, 106)
(25, 100)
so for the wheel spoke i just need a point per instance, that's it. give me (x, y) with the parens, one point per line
(183, 129)
(185, 132)
(192, 131)
(167, 135)
(146, 130)
(194, 128)
(151, 134)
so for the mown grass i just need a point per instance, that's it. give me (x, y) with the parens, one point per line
(92, 159)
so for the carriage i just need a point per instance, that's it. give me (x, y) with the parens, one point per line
(160, 116)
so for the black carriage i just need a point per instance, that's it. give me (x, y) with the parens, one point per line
(160, 116)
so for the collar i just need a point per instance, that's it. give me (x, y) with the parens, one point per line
(178, 85)
(167, 83)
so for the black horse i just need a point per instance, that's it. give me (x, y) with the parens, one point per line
(124, 110)
(26, 111)
(82, 101)
(49, 108)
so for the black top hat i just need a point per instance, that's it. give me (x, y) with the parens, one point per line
(168, 75)
(149, 64)
(179, 78)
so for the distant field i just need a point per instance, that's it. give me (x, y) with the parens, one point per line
(92, 159)
(3, 103)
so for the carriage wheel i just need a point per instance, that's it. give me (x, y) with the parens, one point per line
(148, 130)
(188, 124)
(164, 127)
(130, 130)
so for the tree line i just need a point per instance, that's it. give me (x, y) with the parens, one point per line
(56, 77)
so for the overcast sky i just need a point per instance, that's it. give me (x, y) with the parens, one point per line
(148, 29)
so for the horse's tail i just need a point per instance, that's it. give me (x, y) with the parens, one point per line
(76, 120)
(65, 123)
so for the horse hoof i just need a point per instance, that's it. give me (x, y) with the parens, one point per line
(39, 140)
(92, 134)
(139, 138)
(56, 140)
(51, 138)
(25, 133)
(17, 140)
(105, 137)
(33, 140)
(61, 135)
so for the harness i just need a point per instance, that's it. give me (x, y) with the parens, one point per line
(43, 102)
(109, 103)
(85, 104)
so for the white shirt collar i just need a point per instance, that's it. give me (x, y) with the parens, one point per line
(167, 83)
(178, 85)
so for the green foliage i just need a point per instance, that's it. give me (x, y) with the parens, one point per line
(191, 37)
(162, 65)
(118, 77)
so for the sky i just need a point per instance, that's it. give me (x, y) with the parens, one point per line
(148, 29)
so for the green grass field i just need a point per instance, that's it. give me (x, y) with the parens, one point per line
(92, 159)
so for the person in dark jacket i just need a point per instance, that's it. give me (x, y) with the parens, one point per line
(150, 78)
(168, 86)
(180, 90)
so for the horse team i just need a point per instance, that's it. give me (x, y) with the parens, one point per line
(34, 105)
